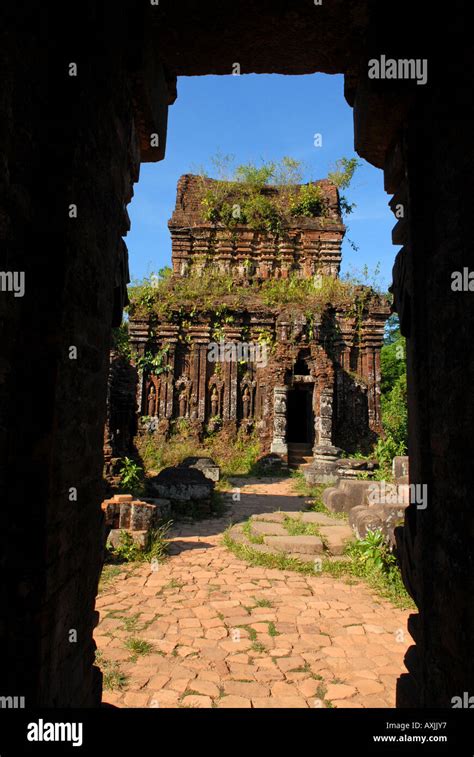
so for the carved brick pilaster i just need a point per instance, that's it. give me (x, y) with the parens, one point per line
(279, 444)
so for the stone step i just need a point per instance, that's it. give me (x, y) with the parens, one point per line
(308, 545)
(262, 548)
(237, 534)
(299, 460)
(261, 528)
(336, 537)
(330, 542)
(320, 519)
(277, 517)
(306, 558)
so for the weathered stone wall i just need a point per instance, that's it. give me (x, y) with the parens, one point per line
(308, 246)
(427, 168)
(121, 416)
(439, 323)
(65, 140)
(201, 391)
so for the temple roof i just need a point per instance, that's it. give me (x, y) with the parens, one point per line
(188, 211)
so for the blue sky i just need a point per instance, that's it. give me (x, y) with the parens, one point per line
(256, 117)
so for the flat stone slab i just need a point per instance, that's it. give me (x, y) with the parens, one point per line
(260, 528)
(301, 556)
(320, 519)
(307, 545)
(271, 517)
(336, 537)
(237, 534)
(263, 548)
(331, 541)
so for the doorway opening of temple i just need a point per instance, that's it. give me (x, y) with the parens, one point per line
(300, 420)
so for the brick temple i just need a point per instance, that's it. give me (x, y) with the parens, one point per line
(311, 386)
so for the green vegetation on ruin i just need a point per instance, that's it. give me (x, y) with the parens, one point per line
(127, 550)
(236, 455)
(178, 299)
(263, 197)
(268, 197)
(296, 527)
(393, 394)
(393, 403)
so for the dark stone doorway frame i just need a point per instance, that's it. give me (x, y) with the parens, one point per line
(81, 146)
(300, 414)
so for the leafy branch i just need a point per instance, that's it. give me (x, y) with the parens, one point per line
(154, 363)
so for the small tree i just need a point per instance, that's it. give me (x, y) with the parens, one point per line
(341, 176)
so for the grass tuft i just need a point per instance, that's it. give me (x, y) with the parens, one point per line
(139, 647)
(388, 585)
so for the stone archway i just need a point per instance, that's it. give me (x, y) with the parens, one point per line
(84, 135)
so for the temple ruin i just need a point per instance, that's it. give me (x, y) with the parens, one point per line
(305, 375)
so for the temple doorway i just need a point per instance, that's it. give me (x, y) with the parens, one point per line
(300, 418)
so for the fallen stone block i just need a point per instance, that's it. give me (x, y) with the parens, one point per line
(206, 465)
(124, 512)
(272, 461)
(188, 490)
(351, 467)
(346, 495)
(377, 517)
(163, 506)
(115, 537)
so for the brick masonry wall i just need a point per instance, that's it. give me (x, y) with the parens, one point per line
(439, 323)
(82, 151)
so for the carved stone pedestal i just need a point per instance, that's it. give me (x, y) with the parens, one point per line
(324, 468)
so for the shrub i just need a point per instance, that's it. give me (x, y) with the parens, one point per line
(309, 201)
(155, 548)
(395, 423)
(131, 476)
(246, 194)
(121, 341)
(372, 553)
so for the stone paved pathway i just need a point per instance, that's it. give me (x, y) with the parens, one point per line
(226, 634)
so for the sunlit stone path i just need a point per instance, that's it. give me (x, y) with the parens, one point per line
(208, 630)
